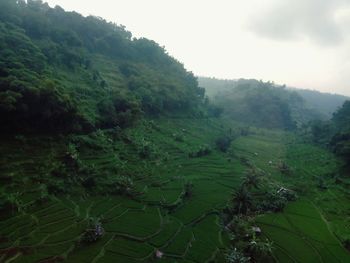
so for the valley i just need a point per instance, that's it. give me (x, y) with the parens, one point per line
(161, 217)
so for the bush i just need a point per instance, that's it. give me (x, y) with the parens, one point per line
(71, 157)
(93, 233)
(123, 185)
(289, 195)
(119, 111)
(246, 245)
(223, 143)
(146, 149)
(45, 108)
(284, 168)
(202, 151)
(235, 256)
(275, 201)
(259, 249)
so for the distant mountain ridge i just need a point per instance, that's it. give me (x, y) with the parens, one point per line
(325, 104)
(269, 105)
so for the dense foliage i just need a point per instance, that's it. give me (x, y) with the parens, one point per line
(309, 104)
(335, 133)
(258, 103)
(65, 72)
(324, 103)
(341, 140)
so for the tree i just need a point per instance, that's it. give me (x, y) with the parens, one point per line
(242, 200)
(252, 179)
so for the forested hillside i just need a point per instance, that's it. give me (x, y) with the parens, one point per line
(258, 103)
(61, 71)
(325, 104)
(335, 133)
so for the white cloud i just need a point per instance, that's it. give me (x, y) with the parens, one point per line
(311, 19)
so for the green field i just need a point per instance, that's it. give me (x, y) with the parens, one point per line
(135, 229)
(312, 228)
(185, 230)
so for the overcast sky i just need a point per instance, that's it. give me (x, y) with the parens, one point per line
(301, 43)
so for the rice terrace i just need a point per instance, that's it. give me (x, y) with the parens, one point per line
(112, 151)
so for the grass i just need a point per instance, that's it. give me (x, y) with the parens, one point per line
(129, 248)
(169, 230)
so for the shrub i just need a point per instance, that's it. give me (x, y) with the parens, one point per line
(71, 157)
(40, 106)
(123, 185)
(272, 203)
(289, 195)
(284, 168)
(119, 111)
(275, 201)
(259, 249)
(223, 143)
(93, 233)
(235, 256)
(146, 149)
(178, 137)
(202, 151)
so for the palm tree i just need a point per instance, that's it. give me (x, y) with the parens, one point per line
(242, 200)
(252, 179)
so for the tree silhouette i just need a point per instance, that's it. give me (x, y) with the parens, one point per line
(252, 179)
(242, 200)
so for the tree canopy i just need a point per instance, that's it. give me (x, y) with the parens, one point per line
(61, 71)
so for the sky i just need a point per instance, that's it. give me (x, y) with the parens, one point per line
(300, 43)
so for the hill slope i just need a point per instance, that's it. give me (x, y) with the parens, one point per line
(77, 73)
(324, 103)
(259, 103)
(314, 103)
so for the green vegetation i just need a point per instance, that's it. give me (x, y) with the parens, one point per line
(305, 229)
(324, 103)
(77, 73)
(334, 134)
(265, 104)
(110, 150)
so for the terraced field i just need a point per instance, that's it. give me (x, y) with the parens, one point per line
(312, 228)
(161, 218)
(184, 230)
